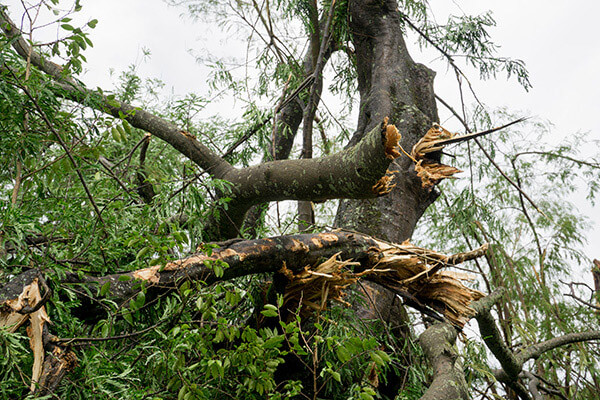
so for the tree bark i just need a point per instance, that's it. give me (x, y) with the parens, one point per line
(391, 85)
(439, 344)
(406, 269)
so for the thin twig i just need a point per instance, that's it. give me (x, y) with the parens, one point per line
(68, 341)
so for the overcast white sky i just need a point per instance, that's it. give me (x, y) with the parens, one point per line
(558, 40)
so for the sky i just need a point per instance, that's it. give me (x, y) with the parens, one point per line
(558, 40)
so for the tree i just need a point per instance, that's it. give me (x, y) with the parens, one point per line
(160, 265)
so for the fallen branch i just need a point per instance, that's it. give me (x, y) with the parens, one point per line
(21, 302)
(350, 256)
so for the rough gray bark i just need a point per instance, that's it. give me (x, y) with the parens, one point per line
(439, 344)
(390, 84)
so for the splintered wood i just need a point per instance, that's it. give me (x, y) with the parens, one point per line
(391, 139)
(383, 185)
(11, 319)
(313, 287)
(405, 269)
(429, 142)
(432, 172)
(22, 303)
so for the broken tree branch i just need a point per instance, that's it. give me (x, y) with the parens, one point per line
(351, 173)
(389, 264)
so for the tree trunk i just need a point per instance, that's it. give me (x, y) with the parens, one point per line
(391, 85)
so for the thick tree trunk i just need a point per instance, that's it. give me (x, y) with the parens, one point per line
(391, 85)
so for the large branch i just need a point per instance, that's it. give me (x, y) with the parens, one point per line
(73, 90)
(310, 283)
(413, 272)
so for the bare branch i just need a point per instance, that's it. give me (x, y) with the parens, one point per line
(536, 350)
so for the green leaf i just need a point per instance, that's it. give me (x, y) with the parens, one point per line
(127, 316)
(140, 299)
(67, 27)
(336, 375)
(343, 354)
(113, 103)
(182, 392)
(375, 357)
(199, 303)
(122, 132)
(92, 24)
(143, 251)
(105, 288)
(127, 127)
(116, 134)
(269, 313)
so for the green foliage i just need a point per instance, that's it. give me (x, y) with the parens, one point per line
(465, 37)
(14, 359)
